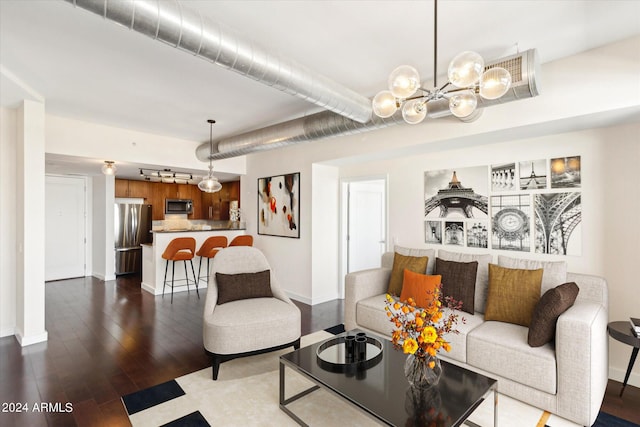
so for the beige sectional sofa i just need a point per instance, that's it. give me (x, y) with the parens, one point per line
(567, 377)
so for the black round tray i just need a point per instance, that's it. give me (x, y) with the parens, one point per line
(332, 355)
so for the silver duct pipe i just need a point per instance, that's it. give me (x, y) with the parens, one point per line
(310, 128)
(524, 69)
(171, 22)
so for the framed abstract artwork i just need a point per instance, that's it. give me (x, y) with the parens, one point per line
(279, 205)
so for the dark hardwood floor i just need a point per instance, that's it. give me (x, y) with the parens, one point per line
(108, 339)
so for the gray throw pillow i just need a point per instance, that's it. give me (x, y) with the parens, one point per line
(553, 303)
(233, 287)
(458, 281)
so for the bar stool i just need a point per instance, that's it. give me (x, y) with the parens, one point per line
(209, 249)
(180, 249)
(244, 240)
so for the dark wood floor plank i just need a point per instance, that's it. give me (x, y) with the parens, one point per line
(109, 339)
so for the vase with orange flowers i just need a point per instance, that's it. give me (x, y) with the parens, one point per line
(419, 332)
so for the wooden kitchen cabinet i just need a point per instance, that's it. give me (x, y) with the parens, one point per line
(140, 189)
(122, 188)
(215, 206)
(133, 189)
(196, 195)
(155, 193)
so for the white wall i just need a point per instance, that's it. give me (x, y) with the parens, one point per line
(324, 240)
(621, 204)
(8, 246)
(284, 263)
(96, 141)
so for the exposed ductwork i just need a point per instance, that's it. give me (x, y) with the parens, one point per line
(186, 29)
(524, 69)
(310, 128)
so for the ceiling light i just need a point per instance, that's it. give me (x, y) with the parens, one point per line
(210, 184)
(109, 168)
(166, 175)
(467, 79)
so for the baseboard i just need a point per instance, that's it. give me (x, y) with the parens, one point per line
(618, 375)
(310, 301)
(32, 339)
(98, 276)
(299, 298)
(149, 288)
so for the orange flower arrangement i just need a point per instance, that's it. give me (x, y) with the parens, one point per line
(420, 331)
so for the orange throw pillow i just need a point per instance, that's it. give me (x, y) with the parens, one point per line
(421, 287)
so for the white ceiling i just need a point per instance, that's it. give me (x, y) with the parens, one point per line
(91, 69)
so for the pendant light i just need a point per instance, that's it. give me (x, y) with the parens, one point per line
(210, 184)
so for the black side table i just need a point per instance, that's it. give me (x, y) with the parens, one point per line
(621, 331)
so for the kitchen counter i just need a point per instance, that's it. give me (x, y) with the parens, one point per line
(197, 230)
(153, 265)
(178, 224)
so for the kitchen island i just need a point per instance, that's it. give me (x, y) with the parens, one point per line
(153, 265)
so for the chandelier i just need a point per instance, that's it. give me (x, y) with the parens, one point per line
(467, 79)
(210, 184)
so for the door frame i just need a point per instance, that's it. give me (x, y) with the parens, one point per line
(343, 250)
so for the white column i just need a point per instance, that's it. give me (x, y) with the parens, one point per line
(30, 233)
(104, 264)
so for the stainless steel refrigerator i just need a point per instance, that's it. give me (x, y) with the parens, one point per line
(132, 228)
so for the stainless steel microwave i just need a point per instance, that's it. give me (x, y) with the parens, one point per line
(178, 206)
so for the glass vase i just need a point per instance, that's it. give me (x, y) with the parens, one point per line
(418, 372)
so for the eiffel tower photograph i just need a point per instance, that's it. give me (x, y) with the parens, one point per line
(459, 193)
(533, 175)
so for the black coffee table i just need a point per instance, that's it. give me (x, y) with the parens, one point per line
(383, 393)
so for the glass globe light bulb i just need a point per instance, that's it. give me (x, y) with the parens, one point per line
(384, 104)
(404, 81)
(414, 111)
(465, 69)
(463, 104)
(494, 83)
(109, 168)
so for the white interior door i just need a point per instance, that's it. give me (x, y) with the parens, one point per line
(65, 207)
(366, 234)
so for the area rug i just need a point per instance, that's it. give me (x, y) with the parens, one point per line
(246, 394)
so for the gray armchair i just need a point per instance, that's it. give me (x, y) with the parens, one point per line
(250, 324)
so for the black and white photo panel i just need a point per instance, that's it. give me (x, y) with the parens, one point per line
(558, 221)
(503, 177)
(510, 229)
(433, 232)
(565, 172)
(533, 174)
